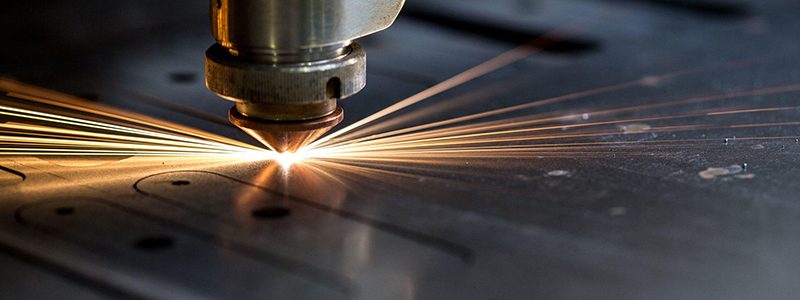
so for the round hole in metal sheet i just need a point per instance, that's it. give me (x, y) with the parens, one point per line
(181, 182)
(272, 212)
(154, 243)
(64, 211)
(183, 77)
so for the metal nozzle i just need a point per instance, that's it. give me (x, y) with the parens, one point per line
(286, 136)
(287, 91)
(286, 63)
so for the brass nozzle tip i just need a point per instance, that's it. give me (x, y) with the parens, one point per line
(286, 136)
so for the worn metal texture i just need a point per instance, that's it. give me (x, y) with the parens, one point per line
(612, 226)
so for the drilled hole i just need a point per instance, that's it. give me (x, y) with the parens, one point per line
(183, 77)
(154, 243)
(272, 212)
(333, 89)
(63, 211)
(181, 182)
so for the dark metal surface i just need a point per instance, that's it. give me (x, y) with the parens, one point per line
(606, 227)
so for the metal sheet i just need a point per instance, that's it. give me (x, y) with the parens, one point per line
(602, 226)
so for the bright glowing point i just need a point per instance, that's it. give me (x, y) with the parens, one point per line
(286, 159)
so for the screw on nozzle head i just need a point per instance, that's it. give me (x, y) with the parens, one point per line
(286, 136)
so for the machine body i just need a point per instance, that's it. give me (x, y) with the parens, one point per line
(285, 64)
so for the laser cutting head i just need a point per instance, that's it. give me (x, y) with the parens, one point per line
(285, 64)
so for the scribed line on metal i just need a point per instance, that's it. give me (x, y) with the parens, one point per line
(464, 253)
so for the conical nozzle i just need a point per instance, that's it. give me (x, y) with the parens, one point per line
(286, 136)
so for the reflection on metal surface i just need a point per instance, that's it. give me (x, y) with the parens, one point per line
(712, 173)
(634, 128)
(308, 225)
(559, 173)
(145, 243)
(10, 176)
(251, 196)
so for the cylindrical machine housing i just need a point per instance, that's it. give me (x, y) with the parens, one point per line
(291, 60)
(310, 28)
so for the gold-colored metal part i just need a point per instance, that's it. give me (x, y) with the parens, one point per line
(286, 136)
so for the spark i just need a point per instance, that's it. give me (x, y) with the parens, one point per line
(502, 133)
(44, 123)
(39, 122)
(55, 125)
(479, 70)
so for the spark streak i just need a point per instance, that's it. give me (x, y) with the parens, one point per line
(479, 70)
(46, 123)
(33, 122)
